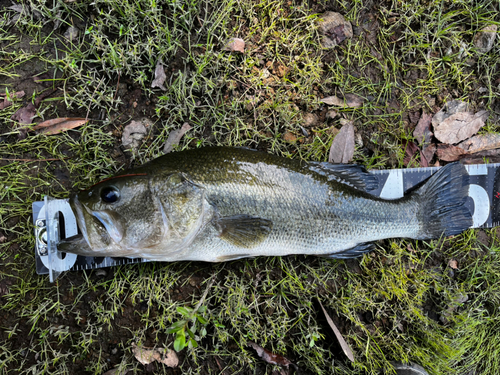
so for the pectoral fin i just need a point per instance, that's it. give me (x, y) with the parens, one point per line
(243, 230)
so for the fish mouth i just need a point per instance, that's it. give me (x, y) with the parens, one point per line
(77, 244)
(110, 221)
(77, 208)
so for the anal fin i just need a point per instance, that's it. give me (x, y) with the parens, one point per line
(353, 252)
(226, 258)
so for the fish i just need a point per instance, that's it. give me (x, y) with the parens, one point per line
(217, 204)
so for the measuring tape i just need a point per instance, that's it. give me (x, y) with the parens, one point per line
(51, 215)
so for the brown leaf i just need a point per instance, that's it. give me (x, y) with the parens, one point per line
(25, 114)
(460, 126)
(333, 100)
(422, 132)
(59, 125)
(143, 355)
(353, 100)
(168, 357)
(414, 117)
(6, 103)
(148, 355)
(449, 108)
(449, 152)
(480, 143)
(453, 264)
(266, 355)
(160, 76)
(345, 347)
(410, 150)
(175, 137)
(427, 154)
(342, 149)
(235, 45)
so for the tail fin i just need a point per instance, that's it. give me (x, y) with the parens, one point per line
(442, 202)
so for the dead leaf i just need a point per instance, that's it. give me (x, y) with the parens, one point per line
(160, 76)
(453, 264)
(345, 347)
(17, 8)
(410, 150)
(143, 355)
(350, 101)
(58, 125)
(6, 103)
(460, 126)
(25, 114)
(422, 132)
(342, 149)
(235, 45)
(450, 108)
(449, 152)
(353, 100)
(427, 154)
(480, 143)
(175, 137)
(148, 355)
(267, 356)
(333, 100)
(168, 357)
(133, 134)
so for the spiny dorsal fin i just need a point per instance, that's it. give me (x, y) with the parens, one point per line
(350, 174)
(244, 230)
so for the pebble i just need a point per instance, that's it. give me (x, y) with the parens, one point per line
(289, 137)
(101, 272)
(485, 38)
(331, 114)
(310, 119)
(72, 33)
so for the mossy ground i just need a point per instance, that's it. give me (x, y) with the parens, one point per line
(401, 302)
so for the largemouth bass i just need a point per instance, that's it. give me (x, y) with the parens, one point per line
(218, 204)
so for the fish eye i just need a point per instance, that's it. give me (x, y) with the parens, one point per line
(110, 194)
